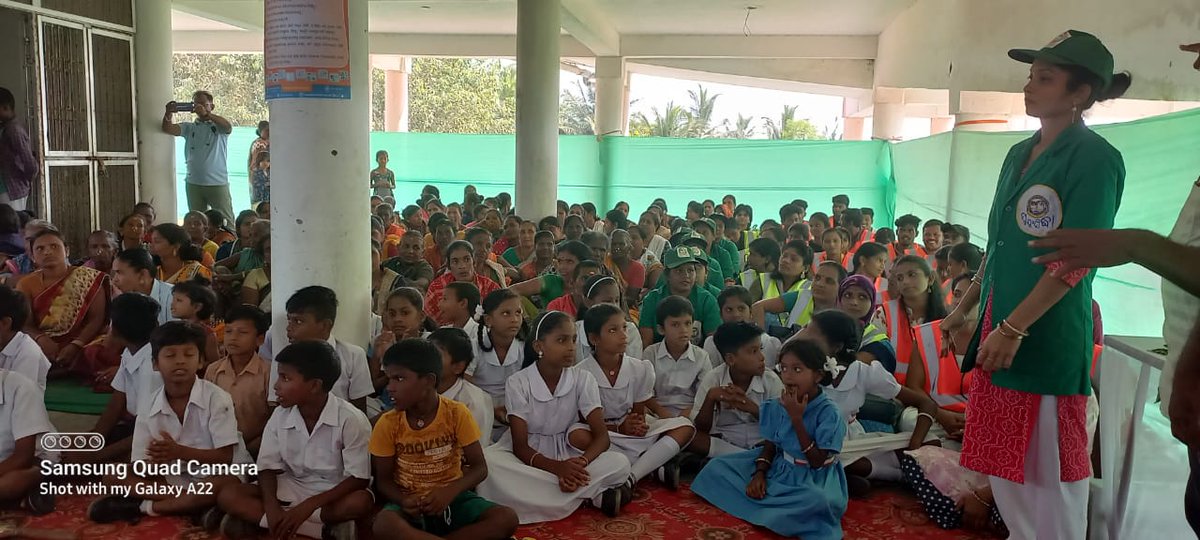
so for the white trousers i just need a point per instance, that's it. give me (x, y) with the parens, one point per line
(1044, 507)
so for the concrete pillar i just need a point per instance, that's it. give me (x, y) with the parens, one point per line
(538, 27)
(155, 87)
(888, 122)
(610, 96)
(965, 121)
(320, 214)
(854, 128)
(395, 98)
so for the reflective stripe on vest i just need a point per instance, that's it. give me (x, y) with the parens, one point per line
(748, 278)
(770, 289)
(946, 389)
(946, 286)
(881, 286)
(872, 334)
(803, 305)
(1097, 351)
(900, 332)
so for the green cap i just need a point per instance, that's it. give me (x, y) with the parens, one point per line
(699, 254)
(712, 225)
(678, 256)
(1073, 48)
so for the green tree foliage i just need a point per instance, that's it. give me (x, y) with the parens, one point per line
(700, 112)
(235, 81)
(743, 128)
(671, 121)
(462, 95)
(577, 109)
(791, 128)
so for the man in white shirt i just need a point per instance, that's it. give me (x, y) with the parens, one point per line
(18, 351)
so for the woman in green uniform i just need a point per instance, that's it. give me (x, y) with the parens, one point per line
(1026, 427)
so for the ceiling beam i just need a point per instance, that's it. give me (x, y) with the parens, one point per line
(584, 20)
(727, 46)
(451, 45)
(846, 78)
(247, 16)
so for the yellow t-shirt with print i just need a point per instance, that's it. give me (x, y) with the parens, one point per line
(430, 457)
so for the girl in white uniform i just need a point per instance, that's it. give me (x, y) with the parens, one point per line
(602, 289)
(499, 349)
(627, 393)
(548, 464)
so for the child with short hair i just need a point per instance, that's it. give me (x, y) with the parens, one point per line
(457, 354)
(18, 352)
(458, 305)
(311, 314)
(679, 365)
(134, 317)
(726, 409)
(795, 484)
(243, 373)
(735, 305)
(627, 395)
(547, 436)
(23, 420)
(195, 302)
(428, 458)
(188, 420)
(311, 480)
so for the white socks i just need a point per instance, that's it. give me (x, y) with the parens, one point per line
(885, 466)
(656, 456)
(720, 447)
(147, 508)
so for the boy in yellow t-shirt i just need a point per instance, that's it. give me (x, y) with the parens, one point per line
(427, 457)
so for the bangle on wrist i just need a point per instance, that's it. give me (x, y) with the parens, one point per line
(809, 447)
(1014, 329)
(980, 499)
(1000, 328)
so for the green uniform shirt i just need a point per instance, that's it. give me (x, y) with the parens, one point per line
(716, 276)
(704, 306)
(729, 258)
(1075, 184)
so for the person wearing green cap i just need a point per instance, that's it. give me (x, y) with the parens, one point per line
(1027, 428)
(681, 280)
(707, 229)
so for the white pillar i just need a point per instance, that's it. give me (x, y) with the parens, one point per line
(155, 87)
(321, 214)
(888, 122)
(965, 121)
(538, 30)
(610, 96)
(395, 96)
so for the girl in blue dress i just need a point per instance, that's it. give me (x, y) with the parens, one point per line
(794, 485)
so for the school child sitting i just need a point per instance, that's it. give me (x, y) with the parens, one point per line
(134, 317)
(243, 373)
(795, 484)
(313, 471)
(499, 348)
(18, 352)
(548, 463)
(458, 305)
(679, 365)
(427, 456)
(457, 354)
(187, 421)
(726, 409)
(603, 289)
(23, 420)
(627, 395)
(403, 318)
(311, 313)
(193, 301)
(735, 305)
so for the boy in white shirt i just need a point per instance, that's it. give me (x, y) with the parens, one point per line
(134, 317)
(458, 306)
(188, 422)
(312, 481)
(23, 420)
(18, 351)
(727, 402)
(311, 314)
(679, 365)
(457, 353)
(735, 303)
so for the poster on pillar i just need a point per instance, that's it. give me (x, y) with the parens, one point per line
(306, 48)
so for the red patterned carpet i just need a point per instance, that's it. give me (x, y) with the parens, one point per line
(655, 514)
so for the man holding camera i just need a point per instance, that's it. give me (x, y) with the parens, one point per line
(205, 150)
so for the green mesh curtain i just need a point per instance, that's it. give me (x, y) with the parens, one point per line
(949, 176)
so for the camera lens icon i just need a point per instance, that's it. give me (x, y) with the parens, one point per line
(72, 442)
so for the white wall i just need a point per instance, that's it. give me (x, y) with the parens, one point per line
(963, 44)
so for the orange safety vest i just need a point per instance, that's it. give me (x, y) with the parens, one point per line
(863, 237)
(949, 292)
(944, 380)
(914, 249)
(1096, 352)
(820, 258)
(900, 332)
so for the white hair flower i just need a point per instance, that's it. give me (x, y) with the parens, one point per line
(479, 312)
(832, 366)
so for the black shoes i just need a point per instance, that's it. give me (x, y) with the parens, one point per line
(115, 508)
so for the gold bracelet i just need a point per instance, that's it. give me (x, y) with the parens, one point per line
(980, 499)
(533, 457)
(1006, 324)
(1004, 332)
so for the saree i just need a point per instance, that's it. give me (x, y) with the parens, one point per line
(61, 308)
(190, 270)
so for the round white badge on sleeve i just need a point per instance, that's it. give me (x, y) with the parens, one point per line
(1039, 210)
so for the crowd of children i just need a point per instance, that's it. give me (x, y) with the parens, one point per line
(517, 370)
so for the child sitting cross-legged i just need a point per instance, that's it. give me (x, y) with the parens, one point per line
(679, 365)
(188, 421)
(23, 421)
(427, 456)
(243, 373)
(195, 302)
(457, 354)
(795, 484)
(313, 471)
(726, 409)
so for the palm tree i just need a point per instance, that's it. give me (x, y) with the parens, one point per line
(791, 128)
(701, 112)
(672, 121)
(577, 109)
(743, 128)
